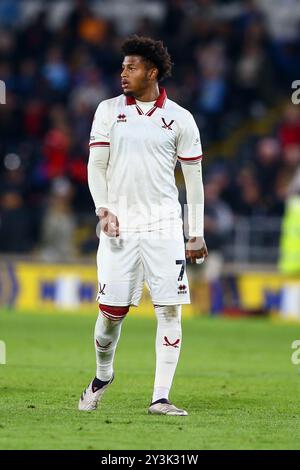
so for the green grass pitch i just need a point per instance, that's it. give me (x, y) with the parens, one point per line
(235, 377)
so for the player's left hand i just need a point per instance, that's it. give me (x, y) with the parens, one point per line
(196, 248)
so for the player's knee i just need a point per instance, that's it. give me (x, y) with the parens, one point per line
(113, 313)
(168, 312)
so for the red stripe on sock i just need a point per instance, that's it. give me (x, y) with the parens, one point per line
(106, 315)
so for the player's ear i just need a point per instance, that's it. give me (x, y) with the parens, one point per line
(153, 73)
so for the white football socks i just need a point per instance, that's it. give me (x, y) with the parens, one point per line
(168, 344)
(107, 334)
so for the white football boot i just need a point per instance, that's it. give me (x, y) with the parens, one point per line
(90, 399)
(164, 407)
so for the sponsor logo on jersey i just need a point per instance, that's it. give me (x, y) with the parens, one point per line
(182, 289)
(121, 118)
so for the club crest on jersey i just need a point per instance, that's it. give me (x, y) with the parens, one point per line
(101, 289)
(121, 118)
(167, 126)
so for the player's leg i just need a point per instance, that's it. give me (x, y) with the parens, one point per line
(120, 276)
(166, 277)
(168, 345)
(107, 334)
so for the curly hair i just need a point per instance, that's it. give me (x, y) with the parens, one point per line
(152, 51)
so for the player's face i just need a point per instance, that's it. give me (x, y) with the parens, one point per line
(136, 76)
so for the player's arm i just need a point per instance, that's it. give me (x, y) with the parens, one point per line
(97, 168)
(196, 246)
(189, 152)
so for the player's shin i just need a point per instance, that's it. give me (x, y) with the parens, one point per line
(107, 334)
(168, 344)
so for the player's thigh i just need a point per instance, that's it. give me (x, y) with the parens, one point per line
(165, 269)
(120, 271)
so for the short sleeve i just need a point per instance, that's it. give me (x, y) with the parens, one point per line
(189, 149)
(100, 129)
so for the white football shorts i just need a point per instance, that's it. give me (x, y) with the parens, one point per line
(125, 263)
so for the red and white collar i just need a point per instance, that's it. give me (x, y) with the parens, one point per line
(159, 103)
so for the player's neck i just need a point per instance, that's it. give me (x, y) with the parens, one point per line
(151, 94)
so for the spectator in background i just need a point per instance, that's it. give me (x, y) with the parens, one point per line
(16, 220)
(254, 78)
(56, 73)
(250, 202)
(57, 239)
(222, 174)
(7, 44)
(34, 39)
(56, 146)
(218, 216)
(27, 78)
(212, 85)
(91, 29)
(218, 224)
(294, 185)
(289, 128)
(15, 223)
(10, 13)
(291, 157)
(289, 255)
(90, 91)
(34, 118)
(267, 164)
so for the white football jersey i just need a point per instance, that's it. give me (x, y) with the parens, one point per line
(143, 150)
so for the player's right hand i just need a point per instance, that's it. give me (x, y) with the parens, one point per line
(196, 249)
(109, 222)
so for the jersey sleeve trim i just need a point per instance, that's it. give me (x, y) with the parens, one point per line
(190, 159)
(99, 144)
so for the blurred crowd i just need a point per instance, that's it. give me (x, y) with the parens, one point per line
(233, 61)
